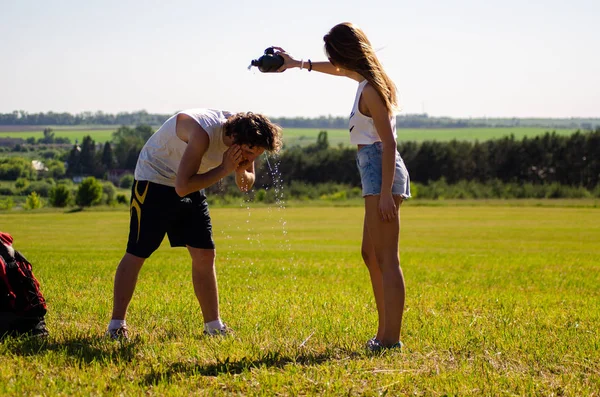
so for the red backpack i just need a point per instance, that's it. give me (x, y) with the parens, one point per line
(22, 305)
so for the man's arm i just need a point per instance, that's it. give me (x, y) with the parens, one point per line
(188, 180)
(245, 177)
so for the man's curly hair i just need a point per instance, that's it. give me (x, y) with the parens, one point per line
(253, 129)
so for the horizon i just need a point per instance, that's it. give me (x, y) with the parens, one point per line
(322, 115)
(462, 60)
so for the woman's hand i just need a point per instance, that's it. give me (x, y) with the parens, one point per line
(387, 208)
(288, 61)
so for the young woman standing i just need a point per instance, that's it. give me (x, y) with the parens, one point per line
(384, 177)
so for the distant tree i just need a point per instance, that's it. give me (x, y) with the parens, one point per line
(48, 136)
(74, 161)
(88, 158)
(428, 162)
(62, 140)
(56, 169)
(109, 191)
(322, 141)
(50, 154)
(128, 143)
(60, 196)
(42, 188)
(89, 192)
(479, 155)
(108, 159)
(132, 157)
(21, 183)
(7, 203)
(126, 181)
(12, 168)
(321, 144)
(33, 201)
(144, 131)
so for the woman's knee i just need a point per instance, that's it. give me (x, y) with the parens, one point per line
(368, 256)
(388, 260)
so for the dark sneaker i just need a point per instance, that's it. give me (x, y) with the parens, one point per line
(396, 346)
(225, 331)
(374, 345)
(117, 334)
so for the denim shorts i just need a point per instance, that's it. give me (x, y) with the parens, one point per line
(368, 160)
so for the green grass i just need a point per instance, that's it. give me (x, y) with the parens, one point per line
(501, 301)
(305, 136)
(98, 135)
(302, 136)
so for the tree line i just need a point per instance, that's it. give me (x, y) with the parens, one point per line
(21, 118)
(572, 160)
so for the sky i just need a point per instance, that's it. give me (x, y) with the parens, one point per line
(455, 58)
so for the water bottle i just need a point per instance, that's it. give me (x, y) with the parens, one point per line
(269, 62)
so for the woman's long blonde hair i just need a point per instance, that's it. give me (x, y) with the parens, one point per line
(348, 47)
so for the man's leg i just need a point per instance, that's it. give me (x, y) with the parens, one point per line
(193, 227)
(125, 280)
(204, 279)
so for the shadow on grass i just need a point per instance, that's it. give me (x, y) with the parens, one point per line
(74, 210)
(272, 359)
(85, 349)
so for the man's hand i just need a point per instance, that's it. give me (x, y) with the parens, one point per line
(232, 158)
(242, 166)
(244, 175)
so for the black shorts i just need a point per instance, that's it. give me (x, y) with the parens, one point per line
(157, 210)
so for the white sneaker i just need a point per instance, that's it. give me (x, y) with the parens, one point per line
(117, 333)
(225, 331)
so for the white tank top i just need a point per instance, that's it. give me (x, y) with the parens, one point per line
(362, 129)
(160, 157)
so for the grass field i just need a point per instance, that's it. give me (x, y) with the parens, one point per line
(501, 301)
(305, 136)
(74, 135)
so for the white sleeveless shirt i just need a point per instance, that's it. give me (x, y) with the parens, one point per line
(362, 129)
(160, 157)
